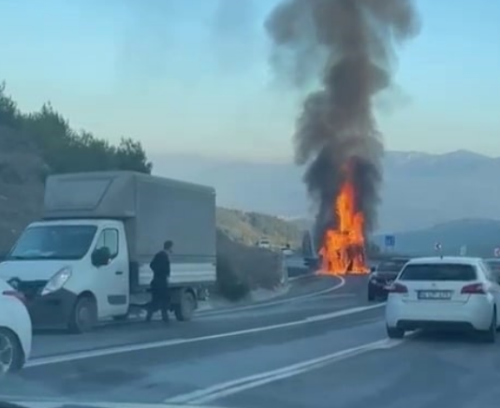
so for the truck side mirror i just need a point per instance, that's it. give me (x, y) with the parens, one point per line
(100, 257)
(373, 269)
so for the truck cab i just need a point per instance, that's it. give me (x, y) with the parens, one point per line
(52, 263)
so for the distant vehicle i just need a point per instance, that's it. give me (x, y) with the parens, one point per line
(494, 264)
(444, 293)
(15, 330)
(309, 250)
(286, 250)
(383, 275)
(88, 258)
(264, 243)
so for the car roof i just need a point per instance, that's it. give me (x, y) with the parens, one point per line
(459, 260)
(398, 258)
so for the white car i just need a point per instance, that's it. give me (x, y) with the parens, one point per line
(15, 330)
(444, 292)
(264, 243)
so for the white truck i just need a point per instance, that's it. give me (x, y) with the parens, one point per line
(69, 281)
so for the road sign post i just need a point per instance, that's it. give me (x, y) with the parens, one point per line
(438, 248)
(390, 242)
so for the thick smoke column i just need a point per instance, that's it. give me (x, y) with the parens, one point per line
(352, 42)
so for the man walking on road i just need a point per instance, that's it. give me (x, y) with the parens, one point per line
(160, 265)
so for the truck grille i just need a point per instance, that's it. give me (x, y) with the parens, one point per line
(30, 289)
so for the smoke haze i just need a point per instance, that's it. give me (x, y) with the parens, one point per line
(349, 45)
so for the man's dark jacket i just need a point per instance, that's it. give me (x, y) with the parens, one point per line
(160, 266)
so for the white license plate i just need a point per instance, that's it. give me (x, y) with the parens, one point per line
(434, 294)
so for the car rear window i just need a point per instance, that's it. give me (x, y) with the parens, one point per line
(438, 272)
(391, 266)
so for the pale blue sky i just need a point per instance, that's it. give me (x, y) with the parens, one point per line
(192, 75)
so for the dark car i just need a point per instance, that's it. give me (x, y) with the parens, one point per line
(494, 264)
(382, 276)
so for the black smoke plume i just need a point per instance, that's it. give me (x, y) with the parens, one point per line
(348, 45)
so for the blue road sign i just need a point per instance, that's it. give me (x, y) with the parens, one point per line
(390, 241)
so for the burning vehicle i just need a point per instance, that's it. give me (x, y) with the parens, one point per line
(346, 48)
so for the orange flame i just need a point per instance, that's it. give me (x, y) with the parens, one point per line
(343, 249)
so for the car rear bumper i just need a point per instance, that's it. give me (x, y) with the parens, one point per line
(377, 288)
(475, 314)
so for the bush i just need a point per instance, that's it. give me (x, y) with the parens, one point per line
(229, 284)
(242, 268)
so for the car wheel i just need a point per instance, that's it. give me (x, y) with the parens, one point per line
(371, 296)
(84, 316)
(11, 352)
(395, 333)
(490, 336)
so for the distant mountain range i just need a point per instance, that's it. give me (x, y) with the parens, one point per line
(478, 237)
(420, 190)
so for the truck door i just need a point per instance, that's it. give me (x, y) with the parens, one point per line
(112, 279)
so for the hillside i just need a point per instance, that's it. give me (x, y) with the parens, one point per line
(249, 227)
(480, 236)
(420, 189)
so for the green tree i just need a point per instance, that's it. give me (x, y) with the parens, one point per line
(130, 155)
(65, 150)
(9, 114)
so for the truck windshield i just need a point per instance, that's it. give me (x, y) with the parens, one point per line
(53, 242)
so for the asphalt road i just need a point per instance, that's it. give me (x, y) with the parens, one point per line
(323, 350)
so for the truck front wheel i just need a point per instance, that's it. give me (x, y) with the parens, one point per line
(186, 306)
(84, 316)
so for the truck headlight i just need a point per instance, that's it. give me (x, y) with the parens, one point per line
(57, 281)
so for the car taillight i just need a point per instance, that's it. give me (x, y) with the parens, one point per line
(397, 288)
(473, 289)
(16, 294)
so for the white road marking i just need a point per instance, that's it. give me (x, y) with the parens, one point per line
(81, 355)
(233, 387)
(305, 275)
(275, 302)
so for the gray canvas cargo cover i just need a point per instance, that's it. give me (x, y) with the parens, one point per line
(153, 209)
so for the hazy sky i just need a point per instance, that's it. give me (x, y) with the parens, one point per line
(193, 75)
